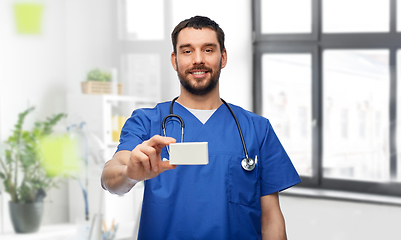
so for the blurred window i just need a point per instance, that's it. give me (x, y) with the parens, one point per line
(352, 16)
(398, 122)
(144, 19)
(140, 42)
(287, 84)
(356, 92)
(286, 16)
(398, 18)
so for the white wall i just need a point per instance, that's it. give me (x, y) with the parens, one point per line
(317, 219)
(39, 70)
(89, 34)
(33, 73)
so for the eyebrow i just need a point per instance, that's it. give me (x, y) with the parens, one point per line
(206, 45)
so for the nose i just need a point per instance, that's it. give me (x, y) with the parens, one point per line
(198, 58)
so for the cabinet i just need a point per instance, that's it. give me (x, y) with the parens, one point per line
(97, 115)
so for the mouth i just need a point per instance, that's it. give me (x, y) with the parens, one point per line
(199, 73)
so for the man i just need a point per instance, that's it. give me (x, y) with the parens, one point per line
(220, 200)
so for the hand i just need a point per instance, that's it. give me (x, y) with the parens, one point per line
(145, 161)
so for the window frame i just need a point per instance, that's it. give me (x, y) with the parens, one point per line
(316, 43)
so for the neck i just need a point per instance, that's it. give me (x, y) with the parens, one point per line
(205, 102)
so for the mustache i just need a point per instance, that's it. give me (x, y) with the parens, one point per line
(199, 68)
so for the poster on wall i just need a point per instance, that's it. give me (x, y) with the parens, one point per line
(144, 75)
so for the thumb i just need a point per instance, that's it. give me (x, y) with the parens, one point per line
(165, 165)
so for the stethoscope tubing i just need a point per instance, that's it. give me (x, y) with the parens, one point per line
(247, 163)
(238, 126)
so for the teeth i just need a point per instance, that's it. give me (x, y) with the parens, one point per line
(198, 73)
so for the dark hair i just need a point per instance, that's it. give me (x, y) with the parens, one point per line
(198, 22)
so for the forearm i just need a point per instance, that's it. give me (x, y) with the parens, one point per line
(114, 177)
(272, 220)
(274, 228)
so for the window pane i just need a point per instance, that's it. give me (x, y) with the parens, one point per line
(398, 16)
(398, 179)
(145, 19)
(286, 16)
(345, 16)
(287, 98)
(356, 115)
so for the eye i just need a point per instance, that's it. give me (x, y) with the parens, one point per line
(208, 50)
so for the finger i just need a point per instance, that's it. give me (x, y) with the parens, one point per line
(140, 156)
(146, 157)
(159, 142)
(154, 157)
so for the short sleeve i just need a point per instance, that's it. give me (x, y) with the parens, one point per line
(134, 131)
(277, 171)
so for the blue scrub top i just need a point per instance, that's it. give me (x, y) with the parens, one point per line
(219, 200)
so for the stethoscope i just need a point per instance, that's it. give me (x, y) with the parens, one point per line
(247, 163)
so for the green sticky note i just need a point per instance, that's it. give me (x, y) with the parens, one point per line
(28, 17)
(60, 155)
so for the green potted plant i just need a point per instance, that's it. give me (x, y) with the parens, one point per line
(98, 75)
(100, 82)
(23, 173)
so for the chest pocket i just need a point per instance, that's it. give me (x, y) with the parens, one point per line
(243, 186)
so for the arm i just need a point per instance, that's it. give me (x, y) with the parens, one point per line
(272, 220)
(126, 168)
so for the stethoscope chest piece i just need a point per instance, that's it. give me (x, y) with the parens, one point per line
(248, 164)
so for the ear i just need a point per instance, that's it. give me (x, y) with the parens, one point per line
(174, 60)
(224, 58)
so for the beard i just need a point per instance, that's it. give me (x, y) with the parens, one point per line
(199, 87)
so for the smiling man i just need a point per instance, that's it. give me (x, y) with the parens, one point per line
(234, 196)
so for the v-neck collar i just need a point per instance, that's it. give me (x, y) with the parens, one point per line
(194, 129)
(199, 121)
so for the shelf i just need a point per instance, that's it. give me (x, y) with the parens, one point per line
(49, 232)
(97, 112)
(67, 231)
(112, 144)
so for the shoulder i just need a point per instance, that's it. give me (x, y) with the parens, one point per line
(251, 116)
(146, 117)
(141, 126)
(253, 123)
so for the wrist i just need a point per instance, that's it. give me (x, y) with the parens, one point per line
(132, 181)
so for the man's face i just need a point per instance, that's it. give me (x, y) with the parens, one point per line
(198, 60)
